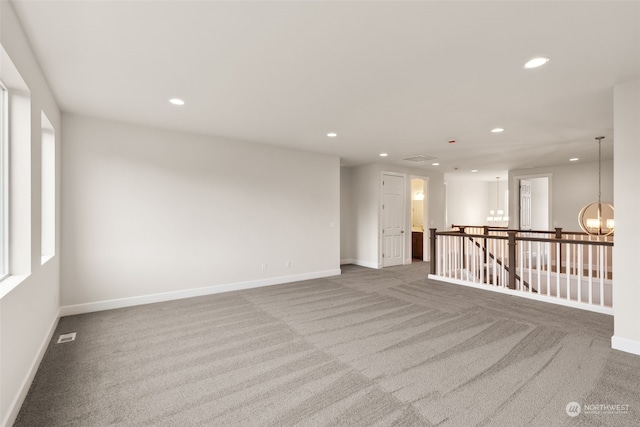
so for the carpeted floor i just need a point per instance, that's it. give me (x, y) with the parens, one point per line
(367, 348)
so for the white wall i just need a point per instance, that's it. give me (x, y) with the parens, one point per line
(149, 211)
(347, 229)
(571, 187)
(366, 193)
(626, 292)
(29, 304)
(365, 222)
(468, 201)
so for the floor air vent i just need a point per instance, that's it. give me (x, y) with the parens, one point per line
(419, 158)
(66, 338)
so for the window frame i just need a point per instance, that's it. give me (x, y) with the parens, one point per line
(47, 189)
(4, 182)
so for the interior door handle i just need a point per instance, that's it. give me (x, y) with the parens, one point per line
(402, 231)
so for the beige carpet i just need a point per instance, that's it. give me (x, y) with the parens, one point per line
(368, 348)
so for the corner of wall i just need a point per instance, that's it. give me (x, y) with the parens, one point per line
(625, 344)
(14, 408)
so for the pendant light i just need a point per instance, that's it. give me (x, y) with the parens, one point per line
(497, 214)
(596, 219)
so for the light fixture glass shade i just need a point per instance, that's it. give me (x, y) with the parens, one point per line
(596, 219)
(499, 215)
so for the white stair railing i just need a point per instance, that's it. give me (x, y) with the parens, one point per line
(566, 268)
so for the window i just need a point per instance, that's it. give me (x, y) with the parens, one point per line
(15, 176)
(4, 226)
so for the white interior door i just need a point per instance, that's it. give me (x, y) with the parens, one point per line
(525, 204)
(393, 217)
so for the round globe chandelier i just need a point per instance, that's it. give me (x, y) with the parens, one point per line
(596, 219)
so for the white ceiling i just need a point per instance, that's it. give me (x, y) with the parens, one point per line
(395, 77)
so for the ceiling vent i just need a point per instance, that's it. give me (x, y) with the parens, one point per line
(420, 158)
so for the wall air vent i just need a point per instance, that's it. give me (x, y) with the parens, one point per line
(419, 158)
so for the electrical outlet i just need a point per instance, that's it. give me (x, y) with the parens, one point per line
(288, 264)
(264, 267)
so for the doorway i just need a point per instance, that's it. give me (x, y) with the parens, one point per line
(534, 204)
(393, 219)
(419, 222)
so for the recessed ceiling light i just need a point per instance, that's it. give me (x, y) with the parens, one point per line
(536, 62)
(574, 159)
(332, 134)
(176, 101)
(383, 154)
(497, 130)
(435, 164)
(474, 170)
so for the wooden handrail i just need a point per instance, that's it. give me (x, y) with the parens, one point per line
(569, 241)
(557, 231)
(480, 226)
(526, 239)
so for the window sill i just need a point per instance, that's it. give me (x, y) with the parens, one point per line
(10, 283)
(45, 258)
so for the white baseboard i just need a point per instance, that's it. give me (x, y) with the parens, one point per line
(15, 406)
(625, 344)
(360, 263)
(366, 264)
(91, 307)
(537, 297)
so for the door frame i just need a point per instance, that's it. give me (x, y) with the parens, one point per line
(514, 198)
(404, 216)
(426, 247)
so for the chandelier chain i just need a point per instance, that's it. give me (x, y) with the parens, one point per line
(599, 138)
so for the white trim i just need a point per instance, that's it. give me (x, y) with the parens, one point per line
(14, 407)
(9, 283)
(543, 298)
(625, 344)
(381, 215)
(515, 182)
(4, 181)
(366, 264)
(91, 307)
(426, 219)
(45, 258)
